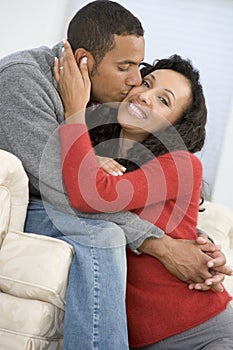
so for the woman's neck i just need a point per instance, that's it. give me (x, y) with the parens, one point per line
(127, 141)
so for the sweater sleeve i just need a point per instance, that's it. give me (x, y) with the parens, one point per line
(90, 189)
(30, 109)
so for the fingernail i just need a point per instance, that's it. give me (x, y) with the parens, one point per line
(120, 172)
(198, 287)
(210, 264)
(114, 173)
(123, 168)
(84, 60)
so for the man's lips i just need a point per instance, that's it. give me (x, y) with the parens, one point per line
(136, 111)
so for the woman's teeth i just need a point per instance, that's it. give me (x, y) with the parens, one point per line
(136, 111)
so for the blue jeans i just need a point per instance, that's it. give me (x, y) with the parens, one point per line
(95, 316)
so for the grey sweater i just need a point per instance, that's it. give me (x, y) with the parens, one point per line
(31, 111)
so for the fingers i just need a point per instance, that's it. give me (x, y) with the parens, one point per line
(226, 270)
(110, 166)
(199, 286)
(84, 70)
(202, 239)
(202, 287)
(56, 69)
(68, 64)
(117, 169)
(213, 282)
(113, 168)
(206, 245)
(67, 60)
(218, 259)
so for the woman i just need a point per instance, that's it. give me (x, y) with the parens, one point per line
(163, 122)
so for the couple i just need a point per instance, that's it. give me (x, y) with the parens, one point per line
(31, 110)
(167, 116)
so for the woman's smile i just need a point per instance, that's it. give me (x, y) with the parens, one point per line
(136, 110)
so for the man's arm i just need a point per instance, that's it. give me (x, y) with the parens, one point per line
(30, 109)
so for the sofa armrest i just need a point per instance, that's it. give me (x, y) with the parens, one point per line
(217, 222)
(14, 193)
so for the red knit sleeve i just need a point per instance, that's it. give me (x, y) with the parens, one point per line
(90, 189)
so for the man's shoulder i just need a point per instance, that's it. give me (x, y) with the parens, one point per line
(41, 57)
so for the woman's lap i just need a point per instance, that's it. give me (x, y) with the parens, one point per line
(214, 334)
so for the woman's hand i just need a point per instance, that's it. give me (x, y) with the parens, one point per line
(110, 166)
(73, 81)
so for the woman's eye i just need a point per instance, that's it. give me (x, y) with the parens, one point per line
(144, 82)
(164, 101)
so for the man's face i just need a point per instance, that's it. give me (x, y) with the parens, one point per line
(118, 71)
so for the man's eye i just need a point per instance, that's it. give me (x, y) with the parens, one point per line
(123, 69)
(164, 101)
(144, 82)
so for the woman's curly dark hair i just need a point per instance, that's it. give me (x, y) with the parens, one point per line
(187, 133)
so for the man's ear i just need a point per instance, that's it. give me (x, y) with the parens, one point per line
(80, 53)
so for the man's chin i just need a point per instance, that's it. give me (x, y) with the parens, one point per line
(112, 104)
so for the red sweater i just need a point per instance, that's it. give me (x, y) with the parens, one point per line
(166, 192)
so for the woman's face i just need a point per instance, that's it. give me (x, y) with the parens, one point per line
(154, 105)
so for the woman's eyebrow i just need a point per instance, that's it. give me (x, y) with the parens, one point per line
(168, 90)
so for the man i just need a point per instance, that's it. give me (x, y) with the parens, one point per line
(31, 110)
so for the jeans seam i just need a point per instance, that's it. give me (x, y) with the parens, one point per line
(96, 291)
(96, 301)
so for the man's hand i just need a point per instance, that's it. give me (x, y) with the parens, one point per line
(213, 282)
(217, 267)
(188, 260)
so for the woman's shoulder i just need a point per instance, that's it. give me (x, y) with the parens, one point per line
(182, 154)
(183, 159)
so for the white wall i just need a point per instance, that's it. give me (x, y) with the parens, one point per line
(223, 189)
(31, 23)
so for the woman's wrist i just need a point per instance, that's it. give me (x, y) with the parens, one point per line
(75, 118)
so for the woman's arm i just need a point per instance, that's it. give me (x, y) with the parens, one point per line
(90, 189)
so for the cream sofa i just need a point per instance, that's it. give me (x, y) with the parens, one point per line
(217, 221)
(33, 271)
(34, 268)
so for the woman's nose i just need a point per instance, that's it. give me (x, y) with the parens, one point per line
(145, 97)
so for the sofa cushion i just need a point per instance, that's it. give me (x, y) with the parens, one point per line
(14, 341)
(217, 222)
(4, 212)
(33, 318)
(14, 179)
(35, 266)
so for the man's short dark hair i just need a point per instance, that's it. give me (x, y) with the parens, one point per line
(93, 27)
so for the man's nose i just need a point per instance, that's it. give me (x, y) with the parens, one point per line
(135, 78)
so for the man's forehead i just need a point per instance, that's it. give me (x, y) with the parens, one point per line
(128, 49)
